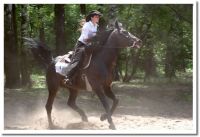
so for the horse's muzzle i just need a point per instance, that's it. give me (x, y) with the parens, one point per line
(136, 44)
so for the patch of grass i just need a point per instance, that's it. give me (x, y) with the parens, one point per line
(39, 81)
(162, 81)
(132, 84)
(39, 86)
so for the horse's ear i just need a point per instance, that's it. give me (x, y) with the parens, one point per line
(117, 25)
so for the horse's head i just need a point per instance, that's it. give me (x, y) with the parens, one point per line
(125, 38)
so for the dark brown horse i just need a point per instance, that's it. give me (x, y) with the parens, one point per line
(99, 73)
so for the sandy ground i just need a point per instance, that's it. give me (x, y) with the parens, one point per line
(142, 107)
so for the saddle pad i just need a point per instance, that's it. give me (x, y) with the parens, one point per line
(61, 67)
(62, 62)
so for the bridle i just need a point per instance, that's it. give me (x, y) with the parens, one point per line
(104, 47)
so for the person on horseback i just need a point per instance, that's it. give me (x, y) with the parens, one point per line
(89, 30)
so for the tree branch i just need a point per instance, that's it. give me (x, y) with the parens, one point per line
(180, 16)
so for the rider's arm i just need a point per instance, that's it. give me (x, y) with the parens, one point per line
(87, 33)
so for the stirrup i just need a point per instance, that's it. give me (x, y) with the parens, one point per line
(67, 81)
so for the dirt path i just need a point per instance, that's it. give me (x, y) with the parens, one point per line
(141, 107)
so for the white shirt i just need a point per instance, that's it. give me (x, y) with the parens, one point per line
(88, 31)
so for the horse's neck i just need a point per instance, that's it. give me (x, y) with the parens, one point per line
(109, 54)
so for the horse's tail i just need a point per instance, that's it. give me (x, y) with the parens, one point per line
(40, 51)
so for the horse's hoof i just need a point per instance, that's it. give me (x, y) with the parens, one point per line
(103, 117)
(84, 119)
(112, 126)
(53, 127)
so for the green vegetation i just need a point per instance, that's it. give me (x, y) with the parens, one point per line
(39, 81)
(166, 32)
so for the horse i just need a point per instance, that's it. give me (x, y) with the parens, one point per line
(99, 73)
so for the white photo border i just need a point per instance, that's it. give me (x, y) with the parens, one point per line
(107, 132)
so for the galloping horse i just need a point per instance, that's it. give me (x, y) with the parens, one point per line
(99, 73)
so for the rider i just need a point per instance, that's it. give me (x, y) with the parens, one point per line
(89, 30)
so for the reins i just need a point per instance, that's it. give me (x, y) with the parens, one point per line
(100, 46)
(112, 47)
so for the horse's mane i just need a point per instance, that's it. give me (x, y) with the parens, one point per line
(100, 39)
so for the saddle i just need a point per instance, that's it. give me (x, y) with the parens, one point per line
(65, 58)
(62, 63)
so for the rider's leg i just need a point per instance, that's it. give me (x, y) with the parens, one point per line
(74, 64)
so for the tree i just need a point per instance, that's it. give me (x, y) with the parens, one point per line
(24, 64)
(59, 29)
(179, 29)
(148, 40)
(41, 24)
(112, 15)
(83, 9)
(166, 32)
(11, 56)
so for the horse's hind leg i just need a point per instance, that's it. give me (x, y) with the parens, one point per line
(53, 85)
(72, 103)
(111, 95)
(50, 100)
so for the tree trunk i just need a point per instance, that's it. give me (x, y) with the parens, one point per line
(112, 15)
(169, 57)
(116, 76)
(169, 65)
(25, 68)
(83, 9)
(11, 56)
(41, 26)
(149, 62)
(59, 29)
(135, 61)
(126, 61)
(41, 33)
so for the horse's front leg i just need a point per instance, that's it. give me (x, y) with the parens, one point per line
(111, 95)
(98, 90)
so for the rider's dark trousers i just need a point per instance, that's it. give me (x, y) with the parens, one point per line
(77, 59)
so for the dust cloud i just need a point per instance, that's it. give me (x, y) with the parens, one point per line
(139, 108)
